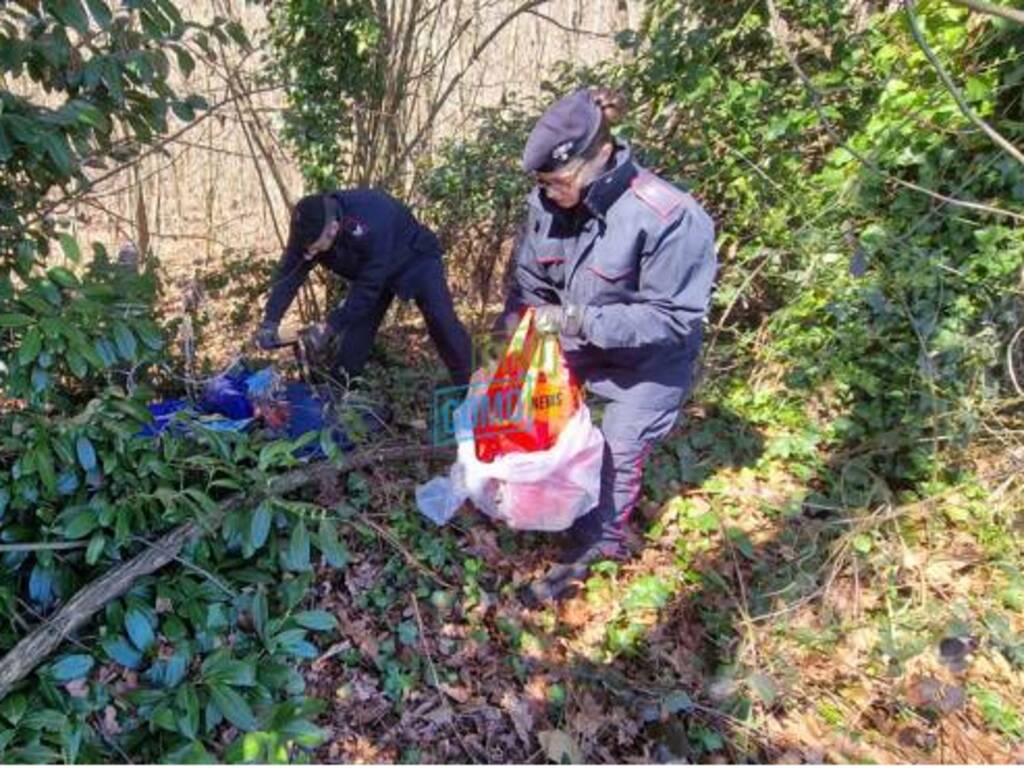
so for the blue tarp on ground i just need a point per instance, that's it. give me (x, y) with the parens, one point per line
(227, 404)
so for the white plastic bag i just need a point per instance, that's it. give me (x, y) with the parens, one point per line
(540, 491)
(440, 498)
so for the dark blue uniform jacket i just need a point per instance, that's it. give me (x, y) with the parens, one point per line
(379, 247)
(639, 255)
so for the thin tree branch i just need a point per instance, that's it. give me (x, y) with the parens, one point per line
(440, 101)
(567, 28)
(41, 546)
(234, 87)
(1001, 141)
(158, 146)
(777, 28)
(211, 148)
(991, 9)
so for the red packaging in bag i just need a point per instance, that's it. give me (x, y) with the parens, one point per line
(529, 399)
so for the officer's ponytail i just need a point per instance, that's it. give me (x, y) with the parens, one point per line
(612, 104)
(613, 108)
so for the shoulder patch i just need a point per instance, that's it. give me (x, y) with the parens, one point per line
(354, 227)
(657, 194)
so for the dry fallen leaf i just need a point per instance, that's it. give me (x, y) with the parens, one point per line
(77, 688)
(559, 747)
(519, 712)
(109, 724)
(460, 694)
(576, 612)
(330, 653)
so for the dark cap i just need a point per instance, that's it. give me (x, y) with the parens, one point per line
(308, 219)
(562, 133)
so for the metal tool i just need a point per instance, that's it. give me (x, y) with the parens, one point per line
(300, 348)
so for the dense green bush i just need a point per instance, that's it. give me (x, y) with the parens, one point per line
(205, 656)
(840, 284)
(330, 55)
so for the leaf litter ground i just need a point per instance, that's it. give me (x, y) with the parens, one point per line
(747, 625)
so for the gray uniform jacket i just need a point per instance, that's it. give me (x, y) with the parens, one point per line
(639, 255)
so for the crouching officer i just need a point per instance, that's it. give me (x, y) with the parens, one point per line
(620, 263)
(373, 240)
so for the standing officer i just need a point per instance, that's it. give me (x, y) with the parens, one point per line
(374, 241)
(621, 264)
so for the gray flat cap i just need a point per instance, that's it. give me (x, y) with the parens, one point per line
(562, 133)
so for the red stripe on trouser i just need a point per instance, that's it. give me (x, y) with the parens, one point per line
(634, 480)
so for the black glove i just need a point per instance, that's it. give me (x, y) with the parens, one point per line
(565, 319)
(266, 337)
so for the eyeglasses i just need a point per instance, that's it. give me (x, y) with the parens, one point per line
(563, 178)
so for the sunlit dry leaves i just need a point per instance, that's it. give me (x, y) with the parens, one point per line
(965, 742)
(924, 692)
(844, 598)
(856, 645)
(365, 751)
(790, 757)
(521, 714)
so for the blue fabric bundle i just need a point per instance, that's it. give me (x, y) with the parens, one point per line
(226, 405)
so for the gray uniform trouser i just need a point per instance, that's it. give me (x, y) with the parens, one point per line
(630, 432)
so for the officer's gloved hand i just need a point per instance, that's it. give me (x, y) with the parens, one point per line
(565, 319)
(572, 320)
(547, 318)
(267, 336)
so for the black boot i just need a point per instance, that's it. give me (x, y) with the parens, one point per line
(563, 579)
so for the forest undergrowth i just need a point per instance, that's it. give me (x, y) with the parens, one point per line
(752, 623)
(826, 563)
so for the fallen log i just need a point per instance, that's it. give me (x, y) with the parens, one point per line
(38, 644)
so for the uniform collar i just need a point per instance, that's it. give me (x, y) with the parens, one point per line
(609, 186)
(602, 193)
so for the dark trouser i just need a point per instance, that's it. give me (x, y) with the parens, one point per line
(428, 288)
(630, 432)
